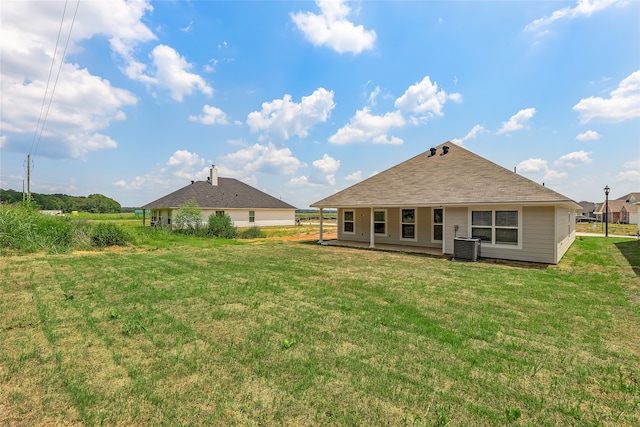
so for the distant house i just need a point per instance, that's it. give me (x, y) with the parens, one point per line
(587, 209)
(449, 192)
(621, 210)
(245, 205)
(631, 199)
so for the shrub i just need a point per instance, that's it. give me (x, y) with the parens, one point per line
(221, 226)
(188, 217)
(251, 233)
(107, 234)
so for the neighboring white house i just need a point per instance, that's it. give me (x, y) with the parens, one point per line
(245, 205)
(449, 192)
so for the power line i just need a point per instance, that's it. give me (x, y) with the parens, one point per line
(64, 53)
(44, 96)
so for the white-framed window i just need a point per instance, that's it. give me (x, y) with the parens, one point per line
(219, 213)
(380, 222)
(252, 216)
(438, 215)
(349, 222)
(408, 224)
(497, 227)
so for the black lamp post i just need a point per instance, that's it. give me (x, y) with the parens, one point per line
(606, 211)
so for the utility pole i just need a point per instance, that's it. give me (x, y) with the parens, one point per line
(29, 177)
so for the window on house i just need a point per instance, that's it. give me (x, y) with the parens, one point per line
(219, 213)
(408, 225)
(348, 221)
(507, 227)
(252, 216)
(481, 225)
(499, 227)
(379, 222)
(437, 224)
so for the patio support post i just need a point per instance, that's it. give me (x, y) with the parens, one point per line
(372, 240)
(320, 241)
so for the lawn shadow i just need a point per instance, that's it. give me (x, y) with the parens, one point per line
(631, 251)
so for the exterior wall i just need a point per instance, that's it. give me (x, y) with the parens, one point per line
(546, 232)
(392, 236)
(263, 217)
(239, 217)
(565, 232)
(453, 217)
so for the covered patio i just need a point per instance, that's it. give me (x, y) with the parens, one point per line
(386, 247)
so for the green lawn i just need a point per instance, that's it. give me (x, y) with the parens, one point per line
(293, 333)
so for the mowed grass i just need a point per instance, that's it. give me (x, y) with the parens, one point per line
(292, 333)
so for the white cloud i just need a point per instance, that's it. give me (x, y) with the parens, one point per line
(324, 170)
(172, 73)
(284, 118)
(631, 176)
(425, 99)
(210, 116)
(373, 95)
(332, 29)
(623, 104)
(632, 164)
(552, 175)
(517, 121)
(261, 158)
(365, 126)
(577, 158)
(83, 106)
(475, 131)
(538, 166)
(582, 8)
(182, 167)
(356, 176)
(532, 165)
(589, 135)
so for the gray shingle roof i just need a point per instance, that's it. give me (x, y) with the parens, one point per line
(459, 177)
(229, 193)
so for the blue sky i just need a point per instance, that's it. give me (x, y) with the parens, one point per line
(302, 99)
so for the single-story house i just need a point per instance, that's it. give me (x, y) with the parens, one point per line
(244, 204)
(618, 211)
(632, 199)
(448, 192)
(587, 208)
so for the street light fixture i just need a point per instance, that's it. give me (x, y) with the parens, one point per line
(606, 211)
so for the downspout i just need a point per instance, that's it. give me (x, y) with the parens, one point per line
(321, 215)
(372, 239)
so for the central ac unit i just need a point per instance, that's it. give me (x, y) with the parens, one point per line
(466, 249)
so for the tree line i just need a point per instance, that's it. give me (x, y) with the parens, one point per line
(94, 203)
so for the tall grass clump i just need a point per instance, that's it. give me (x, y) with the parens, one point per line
(24, 230)
(108, 234)
(251, 233)
(221, 226)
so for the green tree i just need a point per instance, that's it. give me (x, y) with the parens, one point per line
(188, 217)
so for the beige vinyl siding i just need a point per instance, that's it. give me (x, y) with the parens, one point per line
(453, 217)
(362, 227)
(538, 238)
(565, 231)
(362, 224)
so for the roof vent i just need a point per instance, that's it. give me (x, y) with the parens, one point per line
(445, 150)
(192, 181)
(433, 152)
